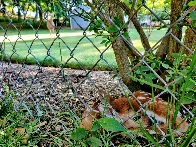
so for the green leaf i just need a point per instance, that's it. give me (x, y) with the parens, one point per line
(141, 69)
(193, 23)
(79, 134)
(117, 22)
(110, 124)
(149, 77)
(175, 55)
(146, 82)
(170, 72)
(153, 65)
(126, 35)
(189, 98)
(94, 142)
(105, 36)
(112, 29)
(190, 86)
(107, 42)
(193, 15)
(103, 41)
(95, 126)
(167, 78)
(166, 66)
(192, 3)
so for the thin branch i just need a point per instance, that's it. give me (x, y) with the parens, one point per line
(137, 25)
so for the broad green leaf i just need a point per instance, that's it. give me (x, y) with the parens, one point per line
(166, 66)
(40, 113)
(139, 72)
(106, 36)
(95, 126)
(126, 35)
(117, 22)
(193, 15)
(146, 82)
(184, 71)
(153, 65)
(190, 86)
(141, 69)
(193, 23)
(94, 142)
(144, 68)
(192, 3)
(79, 134)
(170, 72)
(189, 98)
(110, 124)
(149, 77)
(112, 29)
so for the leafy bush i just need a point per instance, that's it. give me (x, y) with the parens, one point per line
(15, 129)
(4, 19)
(177, 71)
(98, 135)
(28, 24)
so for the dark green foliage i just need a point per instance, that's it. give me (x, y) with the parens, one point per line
(14, 128)
(110, 124)
(97, 137)
(27, 24)
(168, 72)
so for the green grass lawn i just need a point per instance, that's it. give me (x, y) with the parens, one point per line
(76, 50)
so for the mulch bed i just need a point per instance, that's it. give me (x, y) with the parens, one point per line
(52, 90)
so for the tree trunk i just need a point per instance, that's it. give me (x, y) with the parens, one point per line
(169, 45)
(118, 45)
(121, 49)
(176, 10)
(40, 15)
(112, 9)
(19, 10)
(189, 40)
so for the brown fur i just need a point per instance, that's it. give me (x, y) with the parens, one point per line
(125, 107)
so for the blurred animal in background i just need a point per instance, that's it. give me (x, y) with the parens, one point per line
(156, 117)
(50, 24)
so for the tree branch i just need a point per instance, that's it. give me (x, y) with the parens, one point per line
(137, 25)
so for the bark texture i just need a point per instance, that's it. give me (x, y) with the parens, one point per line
(112, 9)
(169, 45)
(189, 40)
(176, 10)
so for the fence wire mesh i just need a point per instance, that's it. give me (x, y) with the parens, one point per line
(36, 72)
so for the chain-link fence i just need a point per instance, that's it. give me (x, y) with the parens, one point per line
(36, 72)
